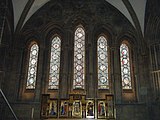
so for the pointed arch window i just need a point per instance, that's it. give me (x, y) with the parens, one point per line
(102, 54)
(32, 66)
(54, 63)
(125, 66)
(79, 58)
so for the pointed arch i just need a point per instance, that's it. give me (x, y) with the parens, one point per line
(79, 58)
(102, 55)
(54, 70)
(125, 59)
(32, 66)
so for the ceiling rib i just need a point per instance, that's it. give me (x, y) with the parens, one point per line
(36, 5)
(118, 4)
(18, 7)
(23, 15)
(136, 22)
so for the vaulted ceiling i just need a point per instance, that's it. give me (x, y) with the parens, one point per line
(133, 10)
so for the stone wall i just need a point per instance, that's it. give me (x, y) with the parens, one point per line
(62, 18)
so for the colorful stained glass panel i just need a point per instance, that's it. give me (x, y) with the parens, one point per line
(79, 58)
(54, 63)
(125, 67)
(102, 52)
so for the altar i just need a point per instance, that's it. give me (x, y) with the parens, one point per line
(78, 106)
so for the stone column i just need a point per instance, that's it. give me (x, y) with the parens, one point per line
(40, 73)
(64, 70)
(116, 78)
(90, 83)
(18, 75)
(36, 107)
(69, 63)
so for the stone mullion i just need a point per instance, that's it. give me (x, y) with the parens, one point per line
(135, 71)
(111, 65)
(39, 79)
(117, 75)
(90, 86)
(70, 69)
(63, 83)
(45, 71)
(70, 54)
(87, 81)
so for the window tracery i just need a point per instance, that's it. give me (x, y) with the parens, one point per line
(32, 67)
(125, 66)
(102, 54)
(54, 63)
(79, 58)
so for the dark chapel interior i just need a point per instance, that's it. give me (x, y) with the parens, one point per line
(80, 59)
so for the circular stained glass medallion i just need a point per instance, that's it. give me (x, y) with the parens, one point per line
(102, 67)
(79, 56)
(33, 61)
(103, 79)
(102, 56)
(31, 80)
(32, 70)
(34, 52)
(56, 46)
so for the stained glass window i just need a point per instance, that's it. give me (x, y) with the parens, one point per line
(103, 82)
(79, 58)
(32, 68)
(125, 67)
(54, 63)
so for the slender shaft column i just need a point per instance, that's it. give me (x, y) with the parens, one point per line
(116, 74)
(39, 75)
(63, 77)
(89, 79)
